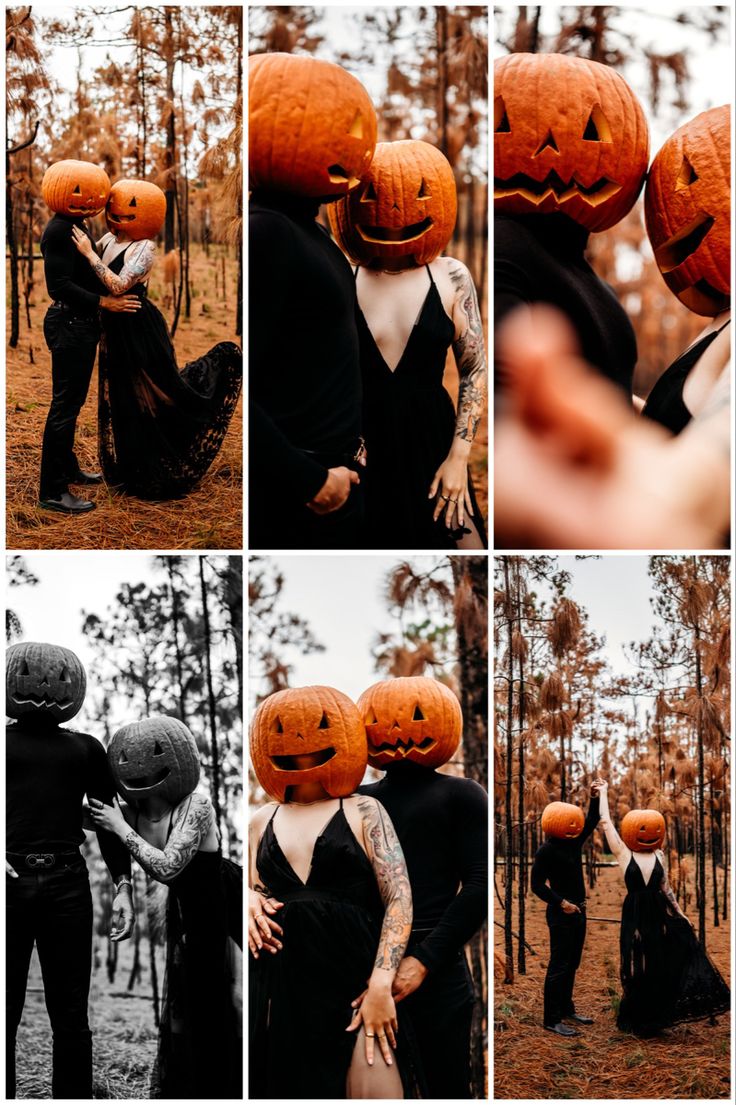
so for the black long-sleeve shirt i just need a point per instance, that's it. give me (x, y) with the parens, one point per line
(69, 276)
(305, 387)
(442, 824)
(541, 259)
(560, 862)
(49, 772)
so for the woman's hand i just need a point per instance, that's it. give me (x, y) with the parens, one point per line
(377, 1014)
(108, 818)
(262, 929)
(82, 242)
(598, 787)
(451, 481)
(10, 870)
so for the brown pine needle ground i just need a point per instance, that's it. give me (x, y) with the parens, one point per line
(688, 1061)
(210, 517)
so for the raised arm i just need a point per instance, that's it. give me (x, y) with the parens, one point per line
(616, 844)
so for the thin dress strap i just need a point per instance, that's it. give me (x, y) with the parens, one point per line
(429, 271)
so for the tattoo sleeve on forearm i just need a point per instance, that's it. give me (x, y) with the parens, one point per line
(469, 356)
(131, 273)
(164, 864)
(387, 858)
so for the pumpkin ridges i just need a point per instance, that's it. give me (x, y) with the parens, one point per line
(150, 218)
(43, 659)
(390, 699)
(560, 819)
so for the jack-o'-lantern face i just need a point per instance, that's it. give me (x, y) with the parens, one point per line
(562, 820)
(570, 136)
(643, 830)
(76, 188)
(306, 735)
(687, 206)
(44, 682)
(411, 718)
(405, 207)
(136, 207)
(311, 126)
(154, 757)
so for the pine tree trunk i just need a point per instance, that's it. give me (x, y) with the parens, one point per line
(210, 698)
(701, 796)
(176, 619)
(521, 890)
(441, 20)
(508, 887)
(170, 151)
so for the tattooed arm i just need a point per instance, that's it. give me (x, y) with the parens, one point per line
(138, 262)
(191, 826)
(669, 892)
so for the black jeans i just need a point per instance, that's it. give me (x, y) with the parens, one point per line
(566, 939)
(53, 909)
(73, 344)
(441, 1012)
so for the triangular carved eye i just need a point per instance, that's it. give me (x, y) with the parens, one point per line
(157, 749)
(686, 176)
(132, 203)
(369, 195)
(501, 123)
(372, 720)
(25, 669)
(123, 758)
(597, 128)
(77, 191)
(417, 715)
(279, 727)
(324, 721)
(548, 143)
(356, 127)
(424, 192)
(64, 677)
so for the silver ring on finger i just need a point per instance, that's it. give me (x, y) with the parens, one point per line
(370, 1035)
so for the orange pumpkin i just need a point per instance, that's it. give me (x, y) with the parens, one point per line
(570, 136)
(317, 722)
(411, 718)
(643, 830)
(405, 207)
(137, 207)
(562, 820)
(311, 126)
(76, 188)
(687, 207)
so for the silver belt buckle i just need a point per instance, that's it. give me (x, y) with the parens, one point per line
(40, 859)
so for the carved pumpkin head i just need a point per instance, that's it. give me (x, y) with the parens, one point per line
(643, 830)
(570, 136)
(304, 735)
(411, 718)
(405, 207)
(562, 820)
(157, 756)
(76, 188)
(137, 207)
(44, 682)
(311, 126)
(687, 207)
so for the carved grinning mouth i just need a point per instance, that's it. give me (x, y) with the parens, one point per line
(553, 184)
(682, 245)
(400, 234)
(287, 763)
(402, 748)
(340, 175)
(120, 218)
(43, 701)
(144, 782)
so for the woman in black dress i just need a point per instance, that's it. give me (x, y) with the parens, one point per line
(413, 305)
(160, 427)
(666, 976)
(174, 838)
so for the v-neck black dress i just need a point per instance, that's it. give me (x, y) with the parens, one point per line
(408, 426)
(160, 428)
(665, 973)
(300, 998)
(665, 403)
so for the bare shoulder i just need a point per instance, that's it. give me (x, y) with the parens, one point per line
(195, 807)
(261, 817)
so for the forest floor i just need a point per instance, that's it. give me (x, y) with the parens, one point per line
(210, 517)
(687, 1061)
(124, 1034)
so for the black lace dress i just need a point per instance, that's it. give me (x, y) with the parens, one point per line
(200, 1047)
(160, 428)
(665, 974)
(409, 426)
(300, 998)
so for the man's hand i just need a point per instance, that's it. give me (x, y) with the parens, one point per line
(334, 491)
(568, 907)
(409, 977)
(116, 303)
(123, 914)
(597, 786)
(263, 931)
(10, 870)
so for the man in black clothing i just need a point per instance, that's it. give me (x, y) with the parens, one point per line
(72, 330)
(48, 903)
(557, 878)
(442, 825)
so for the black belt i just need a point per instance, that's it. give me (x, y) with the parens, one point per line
(40, 860)
(70, 311)
(334, 460)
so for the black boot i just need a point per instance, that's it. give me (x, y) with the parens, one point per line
(562, 1029)
(66, 503)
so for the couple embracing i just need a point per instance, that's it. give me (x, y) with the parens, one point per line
(666, 976)
(160, 428)
(362, 897)
(168, 825)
